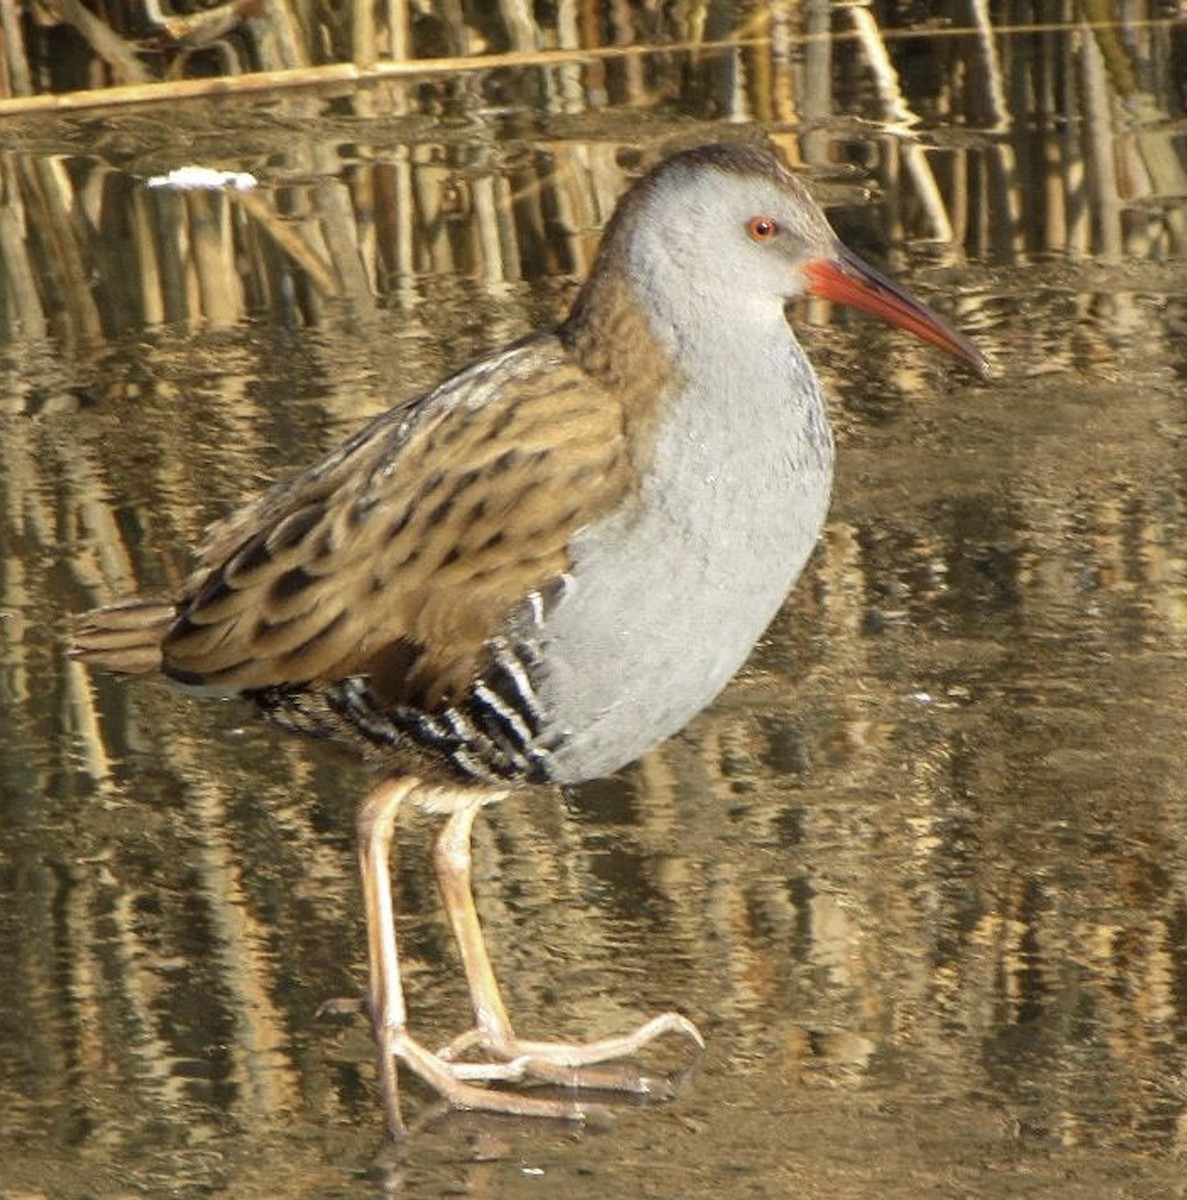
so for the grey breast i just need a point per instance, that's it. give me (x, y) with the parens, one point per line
(668, 595)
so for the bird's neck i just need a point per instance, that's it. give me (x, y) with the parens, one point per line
(648, 319)
(610, 334)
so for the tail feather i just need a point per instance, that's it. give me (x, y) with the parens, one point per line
(125, 637)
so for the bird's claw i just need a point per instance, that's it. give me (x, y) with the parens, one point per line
(342, 1006)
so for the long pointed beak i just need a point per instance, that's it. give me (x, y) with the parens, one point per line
(846, 279)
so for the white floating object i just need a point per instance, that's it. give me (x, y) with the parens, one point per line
(189, 178)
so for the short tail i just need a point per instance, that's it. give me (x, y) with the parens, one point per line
(125, 637)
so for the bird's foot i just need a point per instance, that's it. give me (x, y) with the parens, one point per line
(342, 1006)
(577, 1066)
(458, 1082)
(574, 1065)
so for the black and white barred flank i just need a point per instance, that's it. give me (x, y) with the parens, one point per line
(493, 735)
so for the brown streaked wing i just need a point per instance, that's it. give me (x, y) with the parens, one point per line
(413, 543)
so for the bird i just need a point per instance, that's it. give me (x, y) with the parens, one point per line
(539, 569)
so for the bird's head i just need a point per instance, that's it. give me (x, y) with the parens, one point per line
(724, 235)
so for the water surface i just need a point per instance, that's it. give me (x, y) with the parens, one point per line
(920, 875)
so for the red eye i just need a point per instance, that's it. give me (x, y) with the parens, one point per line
(762, 229)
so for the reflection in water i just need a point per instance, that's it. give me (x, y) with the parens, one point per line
(1059, 142)
(920, 875)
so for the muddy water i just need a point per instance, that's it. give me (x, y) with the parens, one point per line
(920, 875)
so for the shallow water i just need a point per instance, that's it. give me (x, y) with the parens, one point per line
(920, 875)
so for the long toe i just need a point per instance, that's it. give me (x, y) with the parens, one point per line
(456, 1083)
(567, 1056)
(342, 1006)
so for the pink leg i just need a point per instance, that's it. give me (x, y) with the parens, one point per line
(376, 826)
(554, 1062)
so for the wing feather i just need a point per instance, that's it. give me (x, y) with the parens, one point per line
(415, 541)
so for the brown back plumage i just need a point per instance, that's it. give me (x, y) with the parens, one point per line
(399, 555)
